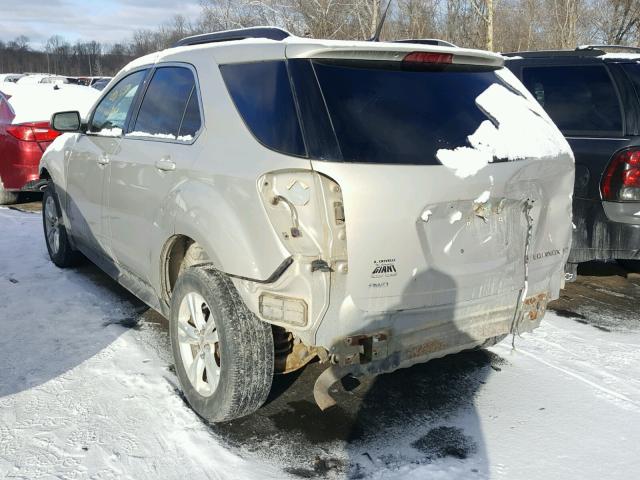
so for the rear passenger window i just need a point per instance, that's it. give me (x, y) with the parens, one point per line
(262, 94)
(581, 100)
(170, 107)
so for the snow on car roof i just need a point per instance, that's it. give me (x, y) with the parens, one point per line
(35, 103)
(620, 56)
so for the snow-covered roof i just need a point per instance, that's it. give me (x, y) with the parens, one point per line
(620, 56)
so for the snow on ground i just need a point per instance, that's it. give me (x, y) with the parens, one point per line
(87, 392)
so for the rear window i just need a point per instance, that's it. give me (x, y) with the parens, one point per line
(360, 111)
(581, 100)
(262, 94)
(391, 115)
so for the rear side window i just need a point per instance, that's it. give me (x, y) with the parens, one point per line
(262, 94)
(170, 100)
(581, 100)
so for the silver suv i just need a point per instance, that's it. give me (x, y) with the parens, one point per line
(371, 205)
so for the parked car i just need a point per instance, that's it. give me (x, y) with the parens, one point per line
(32, 78)
(25, 132)
(55, 79)
(10, 77)
(592, 96)
(90, 81)
(280, 199)
(100, 83)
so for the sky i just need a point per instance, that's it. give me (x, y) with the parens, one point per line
(106, 21)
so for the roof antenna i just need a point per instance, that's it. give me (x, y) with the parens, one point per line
(376, 36)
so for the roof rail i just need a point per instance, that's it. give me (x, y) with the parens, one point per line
(426, 41)
(555, 53)
(608, 47)
(271, 33)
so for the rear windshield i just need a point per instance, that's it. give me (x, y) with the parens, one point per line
(359, 111)
(385, 115)
(581, 99)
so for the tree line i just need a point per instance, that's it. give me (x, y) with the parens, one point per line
(498, 25)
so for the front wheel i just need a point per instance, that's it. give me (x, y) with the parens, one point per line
(223, 353)
(56, 237)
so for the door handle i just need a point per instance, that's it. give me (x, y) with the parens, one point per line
(103, 160)
(166, 165)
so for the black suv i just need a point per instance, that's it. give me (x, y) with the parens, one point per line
(594, 99)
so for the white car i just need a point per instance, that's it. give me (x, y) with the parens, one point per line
(281, 199)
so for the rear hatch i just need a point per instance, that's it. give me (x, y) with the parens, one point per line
(443, 166)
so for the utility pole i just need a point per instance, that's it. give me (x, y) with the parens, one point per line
(375, 15)
(489, 25)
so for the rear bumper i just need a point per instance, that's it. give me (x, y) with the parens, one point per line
(435, 334)
(19, 164)
(385, 351)
(605, 231)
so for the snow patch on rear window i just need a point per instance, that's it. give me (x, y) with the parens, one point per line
(518, 129)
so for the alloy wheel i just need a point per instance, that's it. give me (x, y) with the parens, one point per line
(52, 225)
(199, 344)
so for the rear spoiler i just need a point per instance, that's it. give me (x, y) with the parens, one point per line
(392, 52)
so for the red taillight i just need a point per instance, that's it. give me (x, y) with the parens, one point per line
(621, 180)
(631, 177)
(428, 57)
(33, 132)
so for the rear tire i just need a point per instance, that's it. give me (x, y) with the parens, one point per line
(56, 237)
(223, 353)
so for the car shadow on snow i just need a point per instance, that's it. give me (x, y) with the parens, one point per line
(54, 319)
(423, 416)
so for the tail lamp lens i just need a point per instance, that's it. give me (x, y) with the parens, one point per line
(428, 57)
(621, 180)
(33, 132)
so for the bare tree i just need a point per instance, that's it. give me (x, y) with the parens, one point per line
(615, 21)
(564, 19)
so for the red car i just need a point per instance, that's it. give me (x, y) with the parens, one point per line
(21, 146)
(25, 132)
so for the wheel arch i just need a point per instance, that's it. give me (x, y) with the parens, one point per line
(171, 260)
(229, 222)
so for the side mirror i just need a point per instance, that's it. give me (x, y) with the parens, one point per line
(66, 122)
